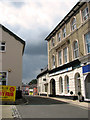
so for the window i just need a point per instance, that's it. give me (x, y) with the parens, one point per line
(44, 79)
(46, 87)
(3, 78)
(85, 14)
(75, 50)
(61, 85)
(65, 55)
(2, 46)
(53, 42)
(59, 57)
(53, 61)
(66, 84)
(64, 32)
(73, 24)
(87, 41)
(59, 36)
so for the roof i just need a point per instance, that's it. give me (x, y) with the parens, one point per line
(44, 71)
(73, 11)
(14, 35)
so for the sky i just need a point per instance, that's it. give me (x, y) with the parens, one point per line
(33, 20)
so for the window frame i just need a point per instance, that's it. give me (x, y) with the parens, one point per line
(75, 50)
(64, 31)
(59, 36)
(6, 79)
(73, 24)
(53, 42)
(60, 58)
(86, 14)
(1, 45)
(86, 49)
(61, 85)
(53, 61)
(64, 55)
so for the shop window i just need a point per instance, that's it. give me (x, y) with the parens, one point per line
(61, 85)
(67, 84)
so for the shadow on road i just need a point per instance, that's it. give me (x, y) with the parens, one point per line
(36, 100)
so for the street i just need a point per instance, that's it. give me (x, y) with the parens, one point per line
(39, 107)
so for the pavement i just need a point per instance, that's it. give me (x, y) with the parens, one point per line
(6, 111)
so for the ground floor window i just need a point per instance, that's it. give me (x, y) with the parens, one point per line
(46, 87)
(66, 84)
(3, 78)
(61, 85)
(87, 86)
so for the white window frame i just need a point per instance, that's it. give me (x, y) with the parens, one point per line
(64, 32)
(65, 55)
(60, 58)
(1, 45)
(73, 24)
(6, 77)
(86, 44)
(75, 50)
(86, 16)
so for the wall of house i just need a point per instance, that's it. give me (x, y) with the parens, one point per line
(12, 59)
(78, 34)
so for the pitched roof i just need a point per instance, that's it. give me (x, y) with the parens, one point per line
(14, 35)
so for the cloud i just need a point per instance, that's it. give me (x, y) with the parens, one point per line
(33, 20)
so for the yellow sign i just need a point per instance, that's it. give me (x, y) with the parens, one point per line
(7, 93)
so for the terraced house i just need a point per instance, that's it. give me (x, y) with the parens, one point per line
(69, 55)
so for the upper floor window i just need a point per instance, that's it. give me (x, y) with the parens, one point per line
(59, 57)
(65, 55)
(2, 46)
(87, 41)
(53, 61)
(64, 32)
(59, 36)
(85, 14)
(53, 42)
(73, 24)
(75, 49)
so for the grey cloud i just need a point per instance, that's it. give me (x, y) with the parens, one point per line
(32, 66)
(18, 4)
(39, 49)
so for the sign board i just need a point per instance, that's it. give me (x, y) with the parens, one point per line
(86, 69)
(7, 93)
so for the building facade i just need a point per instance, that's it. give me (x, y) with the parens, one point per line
(11, 52)
(69, 54)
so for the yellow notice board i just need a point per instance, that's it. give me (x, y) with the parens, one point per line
(7, 93)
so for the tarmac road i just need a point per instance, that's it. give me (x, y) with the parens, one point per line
(39, 107)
